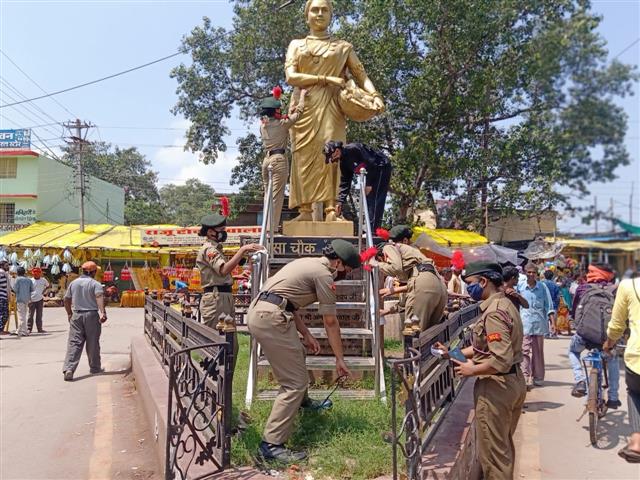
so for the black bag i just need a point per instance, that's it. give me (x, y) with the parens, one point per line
(594, 312)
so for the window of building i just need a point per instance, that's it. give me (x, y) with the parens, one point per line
(8, 167)
(7, 212)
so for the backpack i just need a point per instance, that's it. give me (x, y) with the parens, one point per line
(593, 314)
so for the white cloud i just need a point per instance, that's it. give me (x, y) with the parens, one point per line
(174, 165)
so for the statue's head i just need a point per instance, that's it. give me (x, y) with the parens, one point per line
(318, 14)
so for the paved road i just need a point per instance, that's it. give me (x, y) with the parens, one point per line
(552, 445)
(92, 427)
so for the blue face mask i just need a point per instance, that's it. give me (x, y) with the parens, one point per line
(475, 291)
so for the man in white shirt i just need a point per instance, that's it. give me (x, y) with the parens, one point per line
(40, 285)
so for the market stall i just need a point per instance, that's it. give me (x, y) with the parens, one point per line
(132, 258)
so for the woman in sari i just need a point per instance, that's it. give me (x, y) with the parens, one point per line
(319, 63)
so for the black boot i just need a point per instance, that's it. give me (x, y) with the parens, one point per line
(271, 452)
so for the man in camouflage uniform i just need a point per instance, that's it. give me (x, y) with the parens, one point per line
(274, 131)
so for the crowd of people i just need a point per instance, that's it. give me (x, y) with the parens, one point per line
(24, 296)
(596, 308)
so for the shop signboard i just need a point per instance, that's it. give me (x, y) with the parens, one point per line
(188, 236)
(15, 138)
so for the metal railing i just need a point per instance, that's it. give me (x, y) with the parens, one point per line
(259, 274)
(199, 363)
(427, 386)
(373, 288)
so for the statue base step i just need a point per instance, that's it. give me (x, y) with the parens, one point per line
(318, 229)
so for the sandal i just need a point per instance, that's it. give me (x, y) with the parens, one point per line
(629, 455)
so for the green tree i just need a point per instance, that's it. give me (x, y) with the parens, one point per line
(498, 106)
(186, 204)
(129, 169)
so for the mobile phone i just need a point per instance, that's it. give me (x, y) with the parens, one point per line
(456, 354)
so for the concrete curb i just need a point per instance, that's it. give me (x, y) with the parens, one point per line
(152, 384)
(452, 452)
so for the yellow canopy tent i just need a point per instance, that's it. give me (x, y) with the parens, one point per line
(450, 237)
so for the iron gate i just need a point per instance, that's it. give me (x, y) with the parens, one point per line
(199, 412)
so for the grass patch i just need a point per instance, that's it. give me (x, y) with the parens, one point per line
(344, 442)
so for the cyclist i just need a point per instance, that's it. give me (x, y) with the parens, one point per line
(598, 291)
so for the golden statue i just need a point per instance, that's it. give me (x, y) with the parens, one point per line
(337, 87)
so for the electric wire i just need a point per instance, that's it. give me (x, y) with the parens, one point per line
(21, 95)
(36, 83)
(75, 87)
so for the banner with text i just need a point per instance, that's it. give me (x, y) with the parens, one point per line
(15, 138)
(188, 236)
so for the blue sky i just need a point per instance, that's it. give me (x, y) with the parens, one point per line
(64, 43)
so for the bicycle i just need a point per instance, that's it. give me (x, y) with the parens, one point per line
(597, 382)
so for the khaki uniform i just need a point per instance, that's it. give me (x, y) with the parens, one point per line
(301, 283)
(209, 261)
(497, 340)
(275, 134)
(426, 295)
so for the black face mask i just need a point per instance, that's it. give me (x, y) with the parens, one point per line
(221, 236)
(341, 275)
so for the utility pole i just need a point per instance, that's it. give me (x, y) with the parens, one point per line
(631, 205)
(613, 222)
(78, 139)
(595, 211)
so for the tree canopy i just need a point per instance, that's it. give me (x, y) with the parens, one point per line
(129, 169)
(186, 204)
(497, 106)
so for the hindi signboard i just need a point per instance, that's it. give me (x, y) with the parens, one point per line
(15, 138)
(188, 236)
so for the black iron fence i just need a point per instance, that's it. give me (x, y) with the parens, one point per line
(198, 361)
(427, 387)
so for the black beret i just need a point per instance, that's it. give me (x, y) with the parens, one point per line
(346, 252)
(400, 231)
(478, 268)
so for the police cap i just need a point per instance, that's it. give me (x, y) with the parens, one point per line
(211, 221)
(346, 252)
(479, 268)
(270, 102)
(400, 232)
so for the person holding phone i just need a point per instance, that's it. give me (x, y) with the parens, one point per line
(494, 357)
(84, 303)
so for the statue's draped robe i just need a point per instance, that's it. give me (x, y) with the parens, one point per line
(312, 180)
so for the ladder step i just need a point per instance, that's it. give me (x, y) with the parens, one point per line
(320, 332)
(340, 306)
(322, 394)
(344, 333)
(322, 362)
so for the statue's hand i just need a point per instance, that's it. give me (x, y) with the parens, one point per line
(337, 81)
(378, 103)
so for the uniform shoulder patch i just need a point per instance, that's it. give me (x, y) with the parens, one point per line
(494, 337)
(212, 253)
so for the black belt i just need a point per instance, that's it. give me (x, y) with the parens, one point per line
(276, 300)
(276, 151)
(514, 369)
(426, 267)
(219, 288)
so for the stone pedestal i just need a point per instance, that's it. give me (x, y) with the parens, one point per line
(318, 229)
